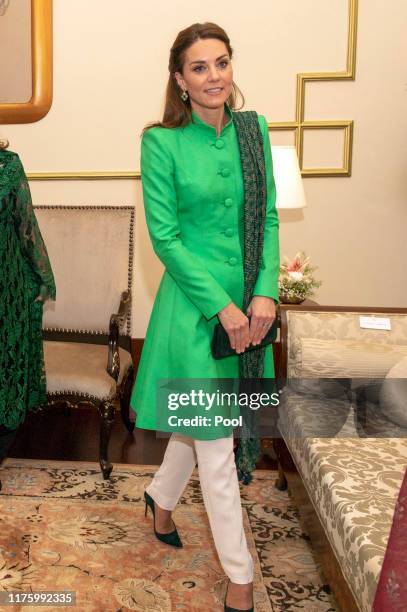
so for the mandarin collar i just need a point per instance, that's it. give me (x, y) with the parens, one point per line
(199, 123)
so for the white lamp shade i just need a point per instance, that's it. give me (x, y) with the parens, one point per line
(287, 175)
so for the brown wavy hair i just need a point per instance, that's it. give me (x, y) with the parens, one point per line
(177, 113)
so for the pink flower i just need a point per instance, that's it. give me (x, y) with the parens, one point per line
(295, 265)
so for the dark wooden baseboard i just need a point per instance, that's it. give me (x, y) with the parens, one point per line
(312, 525)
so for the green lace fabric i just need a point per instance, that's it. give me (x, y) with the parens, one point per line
(26, 281)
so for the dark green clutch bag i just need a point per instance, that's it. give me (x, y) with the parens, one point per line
(220, 345)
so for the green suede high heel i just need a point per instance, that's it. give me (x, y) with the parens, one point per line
(172, 538)
(228, 609)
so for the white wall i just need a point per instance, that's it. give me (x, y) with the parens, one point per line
(110, 70)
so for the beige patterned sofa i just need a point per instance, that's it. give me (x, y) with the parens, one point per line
(346, 437)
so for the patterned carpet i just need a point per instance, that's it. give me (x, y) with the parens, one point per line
(64, 528)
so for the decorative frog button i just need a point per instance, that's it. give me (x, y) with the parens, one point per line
(228, 202)
(219, 144)
(225, 172)
(229, 232)
(232, 261)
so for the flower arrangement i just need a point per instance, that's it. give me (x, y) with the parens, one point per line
(296, 281)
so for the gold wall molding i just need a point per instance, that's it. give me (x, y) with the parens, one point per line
(298, 126)
(83, 176)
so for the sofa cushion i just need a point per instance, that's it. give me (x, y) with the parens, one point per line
(344, 358)
(393, 394)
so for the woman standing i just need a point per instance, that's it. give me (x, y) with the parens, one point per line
(26, 281)
(196, 188)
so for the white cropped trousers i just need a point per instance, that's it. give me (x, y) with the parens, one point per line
(220, 491)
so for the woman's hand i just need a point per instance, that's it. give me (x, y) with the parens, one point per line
(262, 312)
(42, 295)
(236, 325)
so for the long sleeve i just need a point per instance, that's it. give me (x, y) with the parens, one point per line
(267, 280)
(160, 202)
(32, 243)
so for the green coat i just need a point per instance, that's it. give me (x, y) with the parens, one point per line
(193, 197)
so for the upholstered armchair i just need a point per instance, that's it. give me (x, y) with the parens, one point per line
(87, 330)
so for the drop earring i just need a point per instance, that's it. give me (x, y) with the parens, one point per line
(184, 95)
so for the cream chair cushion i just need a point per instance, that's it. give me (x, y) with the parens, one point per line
(91, 258)
(73, 367)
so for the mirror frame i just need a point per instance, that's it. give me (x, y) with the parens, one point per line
(41, 67)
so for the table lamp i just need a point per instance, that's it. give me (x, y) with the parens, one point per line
(287, 175)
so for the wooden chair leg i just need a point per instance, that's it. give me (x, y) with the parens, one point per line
(107, 414)
(125, 395)
(281, 482)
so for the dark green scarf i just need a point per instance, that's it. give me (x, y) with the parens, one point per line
(251, 364)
